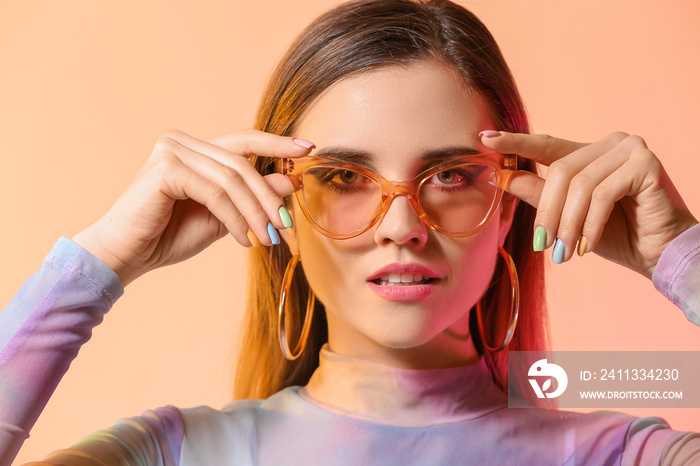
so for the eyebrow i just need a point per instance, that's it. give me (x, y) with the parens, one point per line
(364, 157)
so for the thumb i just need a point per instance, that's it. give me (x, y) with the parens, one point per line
(526, 186)
(283, 185)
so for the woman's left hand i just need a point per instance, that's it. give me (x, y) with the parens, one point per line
(612, 197)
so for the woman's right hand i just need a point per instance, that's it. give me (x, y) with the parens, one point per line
(188, 194)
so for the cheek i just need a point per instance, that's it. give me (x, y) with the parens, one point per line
(326, 262)
(474, 269)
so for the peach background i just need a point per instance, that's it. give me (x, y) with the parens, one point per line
(87, 87)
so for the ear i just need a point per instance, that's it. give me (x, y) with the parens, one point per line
(508, 205)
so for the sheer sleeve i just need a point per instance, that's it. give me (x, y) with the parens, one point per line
(153, 439)
(677, 274)
(650, 441)
(41, 332)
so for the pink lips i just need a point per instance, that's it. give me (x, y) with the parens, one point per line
(404, 282)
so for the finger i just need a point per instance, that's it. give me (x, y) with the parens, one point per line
(254, 142)
(229, 150)
(231, 170)
(556, 187)
(259, 206)
(526, 186)
(579, 198)
(179, 182)
(628, 180)
(283, 185)
(541, 148)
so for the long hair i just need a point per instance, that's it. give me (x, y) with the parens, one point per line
(362, 36)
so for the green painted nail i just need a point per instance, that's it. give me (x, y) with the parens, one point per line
(540, 239)
(286, 219)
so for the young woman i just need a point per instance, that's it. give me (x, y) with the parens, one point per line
(419, 222)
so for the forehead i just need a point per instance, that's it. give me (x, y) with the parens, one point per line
(398, 110)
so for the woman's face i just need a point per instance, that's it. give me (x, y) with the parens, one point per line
(395, 115)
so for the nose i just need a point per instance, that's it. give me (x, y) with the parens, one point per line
(401, 225)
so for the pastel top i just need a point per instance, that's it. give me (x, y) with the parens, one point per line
(351, 412)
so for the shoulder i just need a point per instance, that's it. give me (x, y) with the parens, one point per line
(564, 436)
(229, 435)
(248, 431)
(601, 437)
(239, 414)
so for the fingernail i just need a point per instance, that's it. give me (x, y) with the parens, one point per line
(489, 133)
(252, 238)
(492, 180)
(296, 182)
(304, 143)
(540, 239)
(582, 246)
(272, 233)
(558, 253)
(286, 219)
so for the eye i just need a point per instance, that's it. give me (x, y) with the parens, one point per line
(447, 177)
(340, 179)
(345, 177)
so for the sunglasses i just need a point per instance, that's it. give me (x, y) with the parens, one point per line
(455, 195)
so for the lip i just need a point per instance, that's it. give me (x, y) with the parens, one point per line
(414, 268)
(405, 293)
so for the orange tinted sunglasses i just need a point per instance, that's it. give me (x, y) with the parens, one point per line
(456, 195)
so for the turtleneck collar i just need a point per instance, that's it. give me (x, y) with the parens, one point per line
(402, 397)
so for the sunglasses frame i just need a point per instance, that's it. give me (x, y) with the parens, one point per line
(409, 188)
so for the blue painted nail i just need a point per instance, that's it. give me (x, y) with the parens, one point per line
(272, 233)
(558, 253)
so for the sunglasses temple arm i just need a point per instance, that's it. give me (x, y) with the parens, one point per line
(287, 166)
(503, 178)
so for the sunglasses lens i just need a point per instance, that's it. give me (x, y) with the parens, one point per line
(339, 200)
(460, 199)
(342, 201)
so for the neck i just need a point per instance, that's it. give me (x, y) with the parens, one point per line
(453, 347)
(417, 358)
(401, 397)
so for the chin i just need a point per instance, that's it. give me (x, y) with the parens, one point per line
(406, 338)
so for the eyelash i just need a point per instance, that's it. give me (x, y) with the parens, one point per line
(326, 178)
(467, 176)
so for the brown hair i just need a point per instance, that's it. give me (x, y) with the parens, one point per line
(357, 37)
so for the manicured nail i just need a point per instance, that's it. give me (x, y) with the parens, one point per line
(540, 239)
(252, 238)
(558, 253)
(286, 219)
(304, 143)
(489, 133)
(272, 233)
(582, 246)
(492, 180)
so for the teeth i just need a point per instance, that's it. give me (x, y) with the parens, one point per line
(401, 278)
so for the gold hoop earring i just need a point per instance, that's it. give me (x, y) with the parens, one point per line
(515, 305)
(282, 314)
